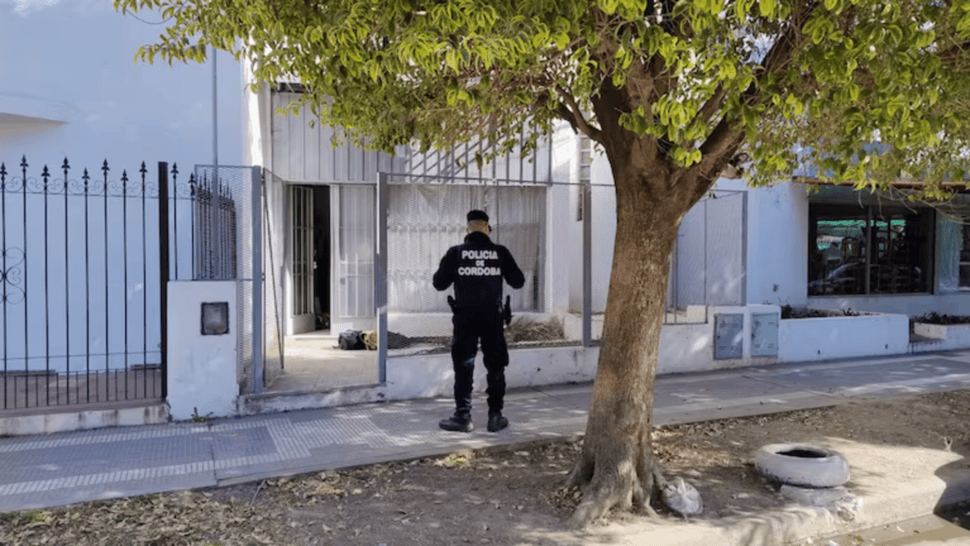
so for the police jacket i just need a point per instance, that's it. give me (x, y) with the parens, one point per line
(477, 268)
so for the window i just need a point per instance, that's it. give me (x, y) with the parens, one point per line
(875, 249)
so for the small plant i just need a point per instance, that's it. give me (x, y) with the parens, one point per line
(937, 318)
(36, 516)
(197, 418)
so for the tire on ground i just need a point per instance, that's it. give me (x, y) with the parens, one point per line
(802, 465)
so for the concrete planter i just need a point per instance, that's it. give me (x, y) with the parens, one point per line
(943, 336)
(824, 338)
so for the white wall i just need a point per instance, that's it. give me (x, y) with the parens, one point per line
(73, 64)
(603, 215)
(777, 242)
(604, 229)
(563, 270)
(824, 338)
(201, 368)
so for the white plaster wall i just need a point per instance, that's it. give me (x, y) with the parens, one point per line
(946, 336)
(257, 117)
(73, 63)
(201, 369)
(50, 423)
(686, 348)
(604, 228)
(777, 242)
(801, 340)
(560, 261)
(428, 376)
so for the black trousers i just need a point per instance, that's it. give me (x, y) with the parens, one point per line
(470, 327)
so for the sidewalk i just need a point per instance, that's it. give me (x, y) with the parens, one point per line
(59, 469)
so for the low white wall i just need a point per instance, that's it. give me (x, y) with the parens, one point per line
(688, 348)
(419, 324)
(946, 337)
(201, 369)
(50, 423)
(429, 376)
(440, 324)
(825, 338)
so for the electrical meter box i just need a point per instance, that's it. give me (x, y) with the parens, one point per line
(764, 334)
(728, 330)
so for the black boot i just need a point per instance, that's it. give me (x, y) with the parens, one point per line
(496, 422)
(459, 422)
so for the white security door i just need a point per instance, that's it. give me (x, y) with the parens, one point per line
(354, 218)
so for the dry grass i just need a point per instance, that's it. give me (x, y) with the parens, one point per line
(527, 329)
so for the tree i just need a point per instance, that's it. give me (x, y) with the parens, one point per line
(865, 92)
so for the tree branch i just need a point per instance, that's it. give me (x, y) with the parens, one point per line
(572, 113)
(711, 106)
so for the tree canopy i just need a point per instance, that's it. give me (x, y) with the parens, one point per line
(863, 91)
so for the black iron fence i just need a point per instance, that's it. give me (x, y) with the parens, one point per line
(83, 266)
(214, 230)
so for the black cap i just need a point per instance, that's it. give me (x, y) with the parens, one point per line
(476, 215)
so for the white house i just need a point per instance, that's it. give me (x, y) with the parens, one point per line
(317, 239)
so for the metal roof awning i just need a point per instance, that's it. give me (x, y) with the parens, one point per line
(900, 184)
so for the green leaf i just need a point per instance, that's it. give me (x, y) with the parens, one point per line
(609, 7)
(767, 8)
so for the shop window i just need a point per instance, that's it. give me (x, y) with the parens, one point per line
(874, 249)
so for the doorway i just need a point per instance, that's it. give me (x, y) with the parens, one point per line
(309, 258)
(313, 361)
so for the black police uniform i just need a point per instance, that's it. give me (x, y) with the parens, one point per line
(477, 269)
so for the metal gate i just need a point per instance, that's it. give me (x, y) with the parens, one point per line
(708, 265)
(84, 261)
(273, 248)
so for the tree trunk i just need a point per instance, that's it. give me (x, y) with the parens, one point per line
(617, 466)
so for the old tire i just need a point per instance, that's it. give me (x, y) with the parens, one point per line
(802, 465)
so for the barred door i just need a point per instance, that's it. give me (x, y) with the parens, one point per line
(301, 240)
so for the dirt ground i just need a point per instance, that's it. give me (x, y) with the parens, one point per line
(498, 496)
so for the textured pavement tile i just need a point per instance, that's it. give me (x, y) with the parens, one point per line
(242, 443)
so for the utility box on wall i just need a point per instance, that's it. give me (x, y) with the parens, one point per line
(728, 338)
(764, 334)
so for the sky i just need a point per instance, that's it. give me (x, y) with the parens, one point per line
(28, 7)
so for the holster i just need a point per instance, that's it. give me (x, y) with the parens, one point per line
(507, 310)
(453, 304)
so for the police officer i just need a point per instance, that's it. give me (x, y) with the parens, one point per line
(477, 268)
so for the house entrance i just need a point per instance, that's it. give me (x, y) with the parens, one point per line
(329, 284)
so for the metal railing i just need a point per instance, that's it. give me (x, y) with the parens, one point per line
(81, 286)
